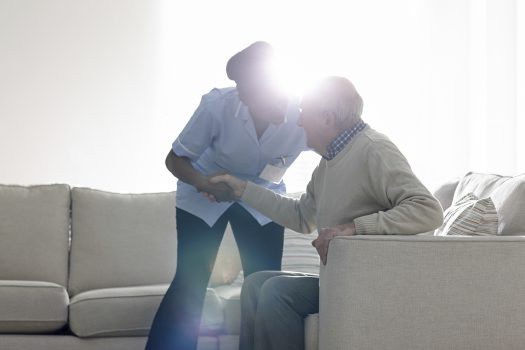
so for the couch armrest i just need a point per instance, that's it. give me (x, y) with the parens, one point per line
(420, 292)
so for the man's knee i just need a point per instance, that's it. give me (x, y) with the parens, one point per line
(253, 284)
(274, 292)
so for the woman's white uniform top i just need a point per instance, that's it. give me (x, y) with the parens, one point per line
(221, 137)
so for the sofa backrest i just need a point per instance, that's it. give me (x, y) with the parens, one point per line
(34, 233)
(507, 193)
(445, 193)
(120, 240)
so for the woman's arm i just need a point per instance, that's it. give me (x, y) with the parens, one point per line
(182, 169)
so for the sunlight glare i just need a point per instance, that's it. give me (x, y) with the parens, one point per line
(294, 74)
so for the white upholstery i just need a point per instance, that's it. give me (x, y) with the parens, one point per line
(229, 342)
(34, 233)
(32, 307)
(231, 305)
(445, 193)
(507, 193)
(121, 240)
(129, 311)
(376, 292)
(109, 228)
(311, 332)
(59, 342)
(298, 253)
(422, 292)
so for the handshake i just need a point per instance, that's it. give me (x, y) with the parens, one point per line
(228, 188)
(222, 188)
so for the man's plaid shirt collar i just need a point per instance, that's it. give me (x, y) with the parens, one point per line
(342, 140)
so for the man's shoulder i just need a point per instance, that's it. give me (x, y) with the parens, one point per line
(374, 136)
(374, 142)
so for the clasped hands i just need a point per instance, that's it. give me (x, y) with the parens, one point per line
(227, 188)
(222, 188)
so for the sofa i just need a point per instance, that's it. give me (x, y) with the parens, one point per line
(431, 292)
(86, 269)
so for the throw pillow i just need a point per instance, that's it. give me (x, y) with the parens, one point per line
(470, 216)
(298, 253)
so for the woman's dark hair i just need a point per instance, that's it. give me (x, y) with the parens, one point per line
(250, 63)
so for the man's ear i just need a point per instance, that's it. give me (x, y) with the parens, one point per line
(329, 119)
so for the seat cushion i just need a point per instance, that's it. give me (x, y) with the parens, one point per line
(32, 307)
(230, 297)
(129, 311)
(311, 332)
(34, 233)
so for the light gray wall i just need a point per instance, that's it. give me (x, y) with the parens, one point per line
(78, 81)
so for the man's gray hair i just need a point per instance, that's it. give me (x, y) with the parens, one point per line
(338, 95)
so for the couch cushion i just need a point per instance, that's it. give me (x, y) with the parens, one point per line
(311, 332)
(481, 185)
(445, 193)
(228, 342)
(298, 253)
(231, 303)
(228, 261)
(32, 307)
(509, 199)
(34, 233)
(507, 193)
(129, 311)
(470, 216)
(121, 240)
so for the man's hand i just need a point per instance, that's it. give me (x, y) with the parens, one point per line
(326, 234)
(216, 191)
(235, 184)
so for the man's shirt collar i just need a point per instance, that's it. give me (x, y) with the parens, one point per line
(339, 143)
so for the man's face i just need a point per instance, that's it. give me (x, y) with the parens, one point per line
(312, 122)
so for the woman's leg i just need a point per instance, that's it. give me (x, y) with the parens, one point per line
(260, 247)
(176, 324)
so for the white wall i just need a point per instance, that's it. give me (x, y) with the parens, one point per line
(78, 81)
(92, 93)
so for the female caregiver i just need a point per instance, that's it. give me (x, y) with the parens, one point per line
(251, 132)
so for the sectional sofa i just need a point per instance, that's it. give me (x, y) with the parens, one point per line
(86, 269)
(431, 293)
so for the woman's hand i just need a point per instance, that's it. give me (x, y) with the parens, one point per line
(216, 191)
(236, 185)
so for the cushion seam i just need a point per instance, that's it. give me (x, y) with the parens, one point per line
(113, 330)
(113, 297)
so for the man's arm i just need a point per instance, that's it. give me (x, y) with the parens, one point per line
(412, 208)
(297, 214)
(182, 169)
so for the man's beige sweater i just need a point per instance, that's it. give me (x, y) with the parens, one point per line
(369, 183)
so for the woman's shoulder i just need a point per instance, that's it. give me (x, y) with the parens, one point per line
(221, 95)
(220, 101)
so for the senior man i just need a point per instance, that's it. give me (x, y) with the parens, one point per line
(363, 185)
